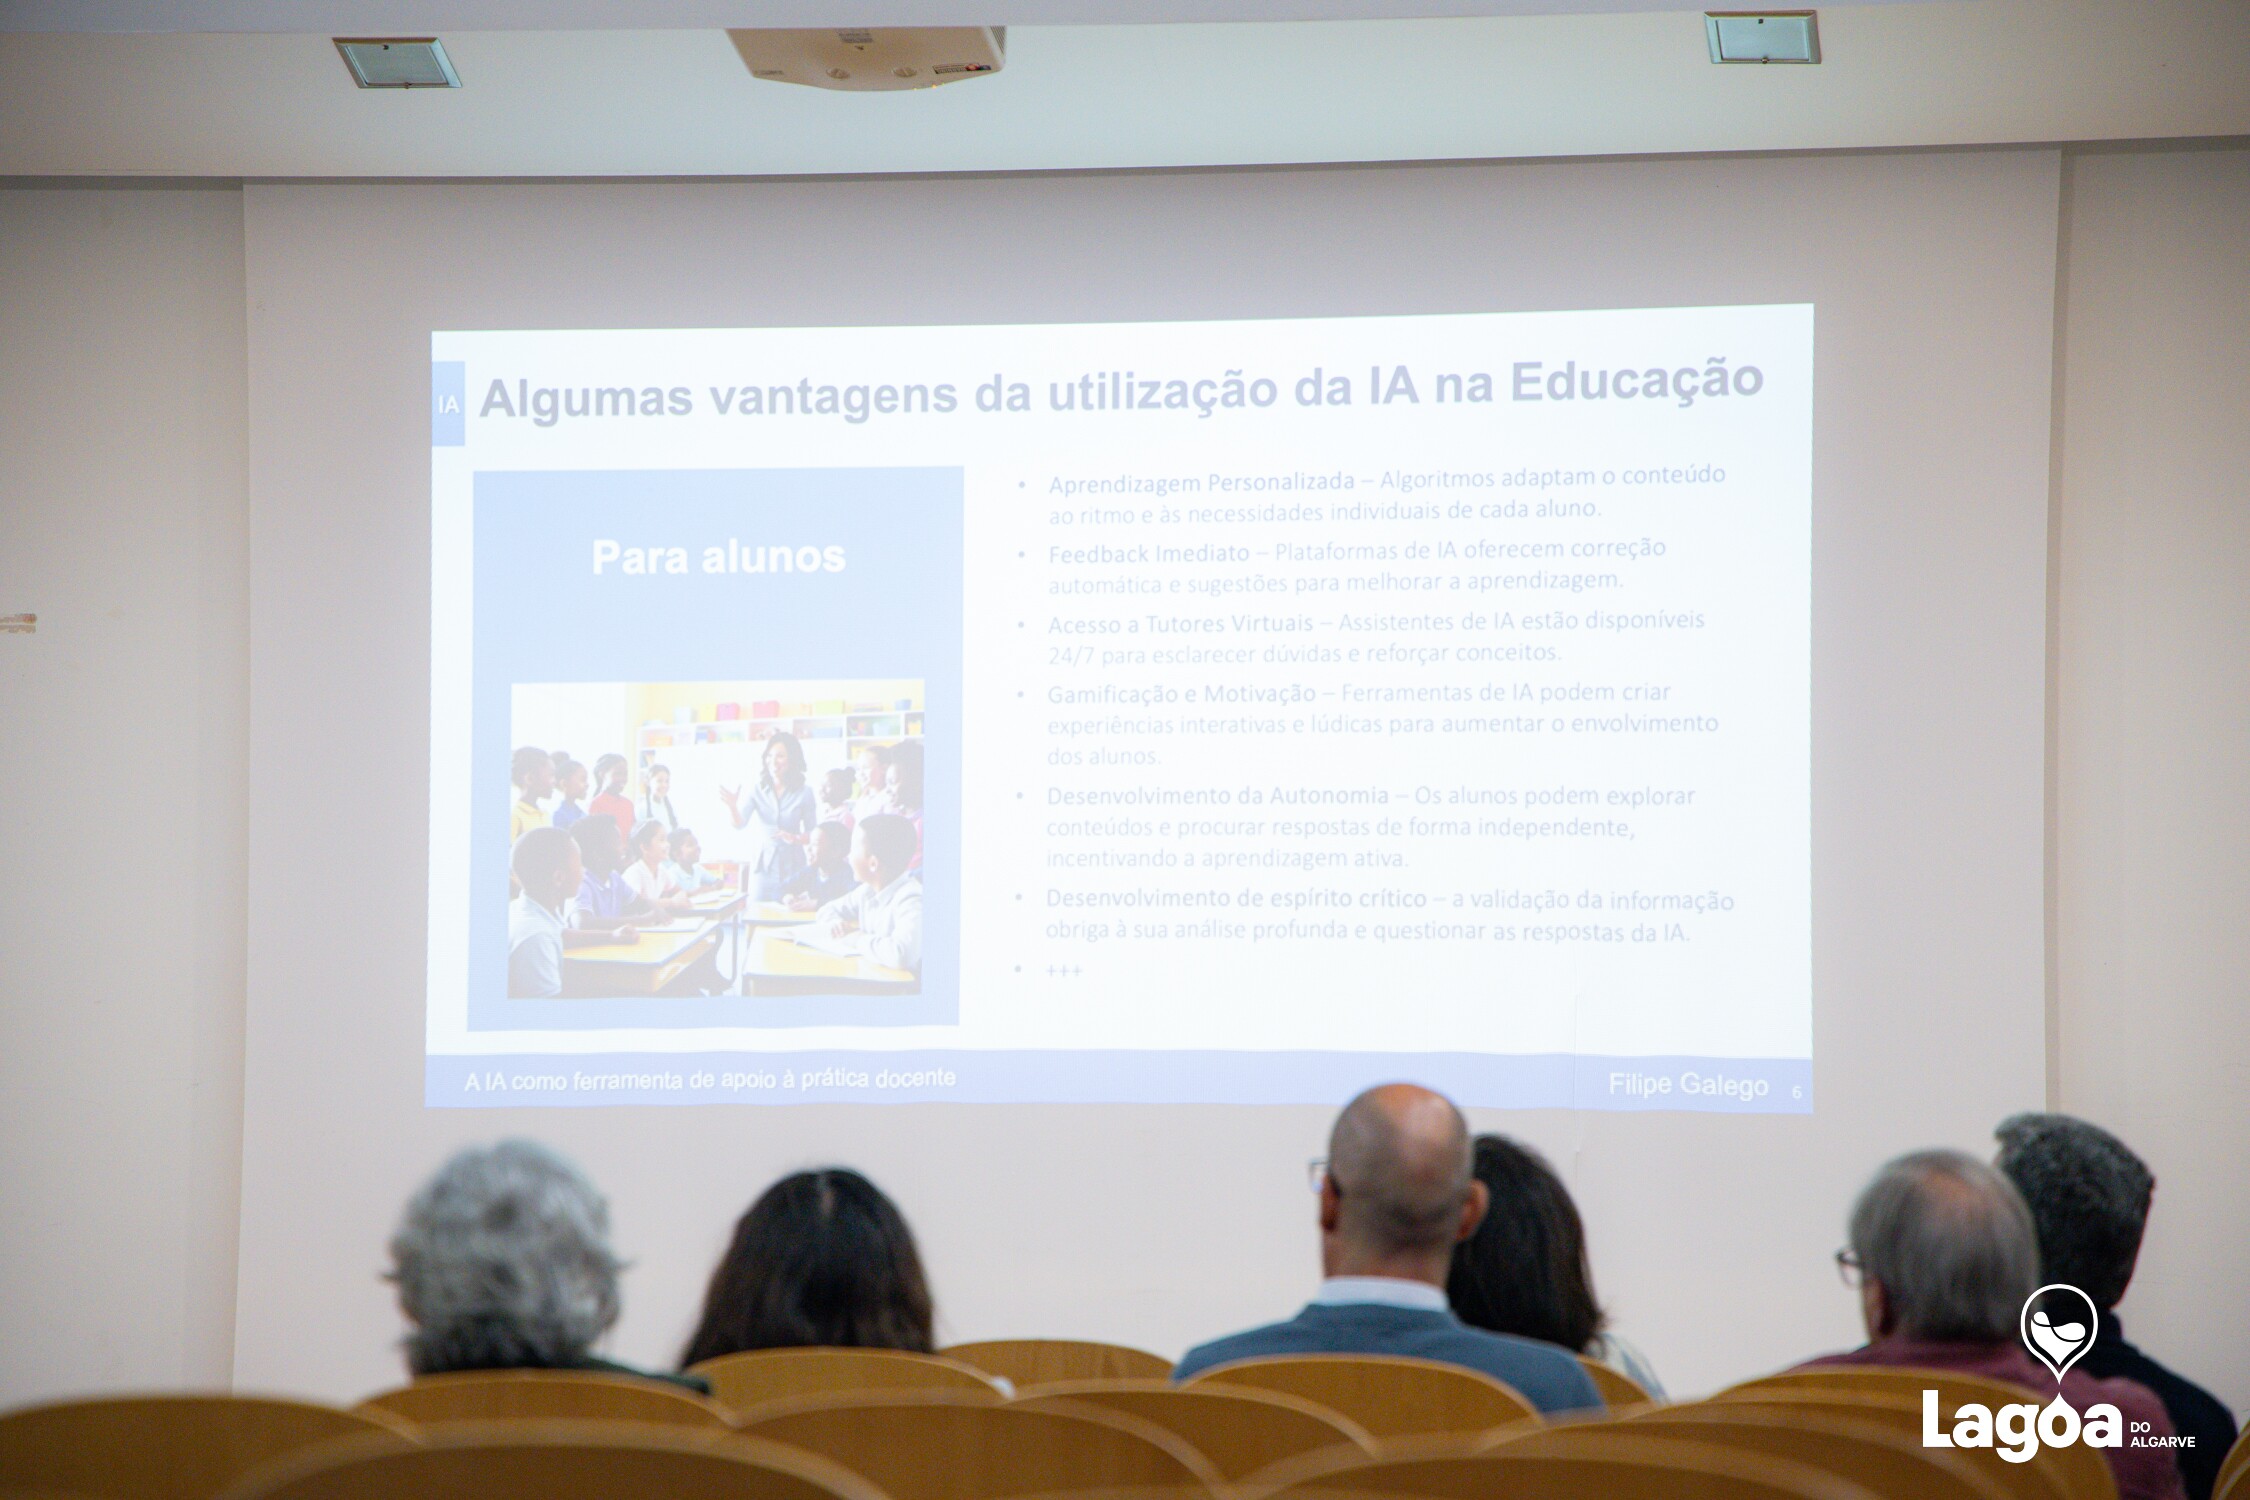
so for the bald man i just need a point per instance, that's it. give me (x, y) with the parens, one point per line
(1397, 1194)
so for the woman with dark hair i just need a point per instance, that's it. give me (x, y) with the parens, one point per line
(782, 810)
(822, 1258)
(1524, 1271)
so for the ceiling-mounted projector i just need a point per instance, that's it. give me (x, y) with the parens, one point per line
(873, 57)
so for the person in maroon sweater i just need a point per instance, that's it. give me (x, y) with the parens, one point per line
(1945, 1255)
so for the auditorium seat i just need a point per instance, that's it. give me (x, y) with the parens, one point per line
(169, 1447)
(1241, 1430)
(741, 1381)
(1886, 1461)
(1951, 1385)
(2039, 1479)
(1388, 1396)
(544, 1460)
(2084, 1472)
(2228, 1486)
(939, 1445)
(1578, 1461)
(1029, 1362)
(1617, 1388)
(492, 1395)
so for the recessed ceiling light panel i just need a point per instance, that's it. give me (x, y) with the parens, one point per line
(398, 62)
(1763, 36)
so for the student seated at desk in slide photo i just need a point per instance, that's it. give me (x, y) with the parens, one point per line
(547, 865)
(829, 877)
(650, 877)
(686, 868)
(606, 904)
(836, 801)
(881, 919)
(874, 762)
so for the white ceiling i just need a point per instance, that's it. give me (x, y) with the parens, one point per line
(674, 102)
(346, 17)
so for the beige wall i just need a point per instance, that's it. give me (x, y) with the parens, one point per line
(2152, 704)
(122, 523)
(122, 737)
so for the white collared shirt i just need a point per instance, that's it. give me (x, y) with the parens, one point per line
(890, 921)
(1383, 1291)
(535, 948)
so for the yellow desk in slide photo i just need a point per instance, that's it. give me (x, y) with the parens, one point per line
(642, 967)
(774, 914)
(776, 966)
(654, 960)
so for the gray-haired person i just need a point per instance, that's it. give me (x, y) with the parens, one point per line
(1944, 1256)
(502, 1262)
(2089, 1195)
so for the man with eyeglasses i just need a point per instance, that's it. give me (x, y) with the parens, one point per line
(1943, 1255)
(1397, 1193)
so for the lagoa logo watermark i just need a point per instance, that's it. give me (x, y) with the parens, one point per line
(2018, 1431)
(2058, 1346)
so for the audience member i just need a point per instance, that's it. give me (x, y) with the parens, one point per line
(1945, 1255)
(2089, 1197)
(502, 1262)
(1397, 1193)
(1525, 1270)
(822, 1258)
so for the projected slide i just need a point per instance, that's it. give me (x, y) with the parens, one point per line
(1228, 712)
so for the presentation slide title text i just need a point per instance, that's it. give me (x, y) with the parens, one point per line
(1120, 391)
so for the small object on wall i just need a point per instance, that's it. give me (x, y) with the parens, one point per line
(19, 624)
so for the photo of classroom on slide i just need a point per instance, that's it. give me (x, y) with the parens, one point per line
(731, 838)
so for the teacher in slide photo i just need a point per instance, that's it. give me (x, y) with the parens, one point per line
(782, 809)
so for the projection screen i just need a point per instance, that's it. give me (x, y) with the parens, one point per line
(1780, 584)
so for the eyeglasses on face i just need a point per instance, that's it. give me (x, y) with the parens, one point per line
(1850, 1269)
